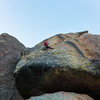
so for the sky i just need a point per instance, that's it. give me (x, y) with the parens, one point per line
(32, 21)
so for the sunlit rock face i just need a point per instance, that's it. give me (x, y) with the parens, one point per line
(72, 65)
(62, 96)
(10, 54)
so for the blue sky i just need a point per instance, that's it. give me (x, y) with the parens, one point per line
(32, 21)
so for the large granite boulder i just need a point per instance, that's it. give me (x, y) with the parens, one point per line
(72, 65)
(62, 96)
(10, 54)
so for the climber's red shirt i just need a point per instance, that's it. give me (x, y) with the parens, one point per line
(45, 43)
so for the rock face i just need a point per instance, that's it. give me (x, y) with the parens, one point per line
(73, 65)
(10, 54)
(62, 96)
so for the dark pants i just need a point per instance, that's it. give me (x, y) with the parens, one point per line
(47, 47)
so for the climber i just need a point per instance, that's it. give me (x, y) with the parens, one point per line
(46, 45)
